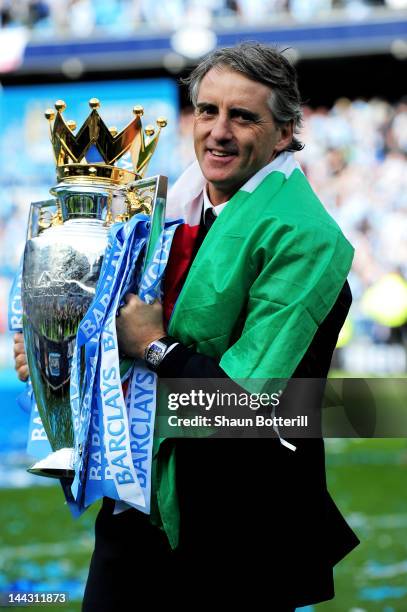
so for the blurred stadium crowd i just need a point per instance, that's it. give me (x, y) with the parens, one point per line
(356, 158)
(61, 18)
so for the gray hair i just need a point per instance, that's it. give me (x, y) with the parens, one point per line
(263, 64)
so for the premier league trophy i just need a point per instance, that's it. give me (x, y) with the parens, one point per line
(66, 241)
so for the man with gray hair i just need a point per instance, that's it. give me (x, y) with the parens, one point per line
(256, 290)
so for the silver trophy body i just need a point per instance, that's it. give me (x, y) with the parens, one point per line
(66, 241)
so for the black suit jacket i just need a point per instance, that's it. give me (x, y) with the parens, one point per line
(245, 500)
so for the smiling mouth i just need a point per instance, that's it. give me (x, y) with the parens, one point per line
(221, 153)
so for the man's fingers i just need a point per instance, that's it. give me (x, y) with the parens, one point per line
(20, 360)
(20, 363)
(19, 349)
(132, 299)
(23, 373)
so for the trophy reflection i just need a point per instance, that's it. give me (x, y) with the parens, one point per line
(66, 241)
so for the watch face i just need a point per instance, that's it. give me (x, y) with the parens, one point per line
(155, 353)
(157, 350)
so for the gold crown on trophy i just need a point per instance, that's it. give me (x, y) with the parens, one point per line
(94, 149)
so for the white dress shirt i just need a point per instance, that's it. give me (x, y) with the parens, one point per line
(208, 204)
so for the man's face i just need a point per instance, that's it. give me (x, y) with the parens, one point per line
(234, 131)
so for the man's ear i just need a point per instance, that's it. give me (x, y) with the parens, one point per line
(286, 135)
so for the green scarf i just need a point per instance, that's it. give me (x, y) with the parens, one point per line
(266, 276)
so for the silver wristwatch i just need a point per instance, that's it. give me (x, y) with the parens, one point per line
(156, 351)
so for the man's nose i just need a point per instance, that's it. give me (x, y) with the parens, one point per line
(221, 128)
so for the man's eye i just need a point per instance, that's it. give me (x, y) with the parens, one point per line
(244, 117)
(206, 111)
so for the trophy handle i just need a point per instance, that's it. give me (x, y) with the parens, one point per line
(151, 197)
(42, 215)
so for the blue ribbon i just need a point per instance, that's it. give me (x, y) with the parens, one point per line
(113, 434)
(15, 306)
(125, 245)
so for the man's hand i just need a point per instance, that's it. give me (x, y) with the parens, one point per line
(138, 324)
(20, 358)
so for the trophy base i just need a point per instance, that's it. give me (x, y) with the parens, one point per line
(56, 465)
